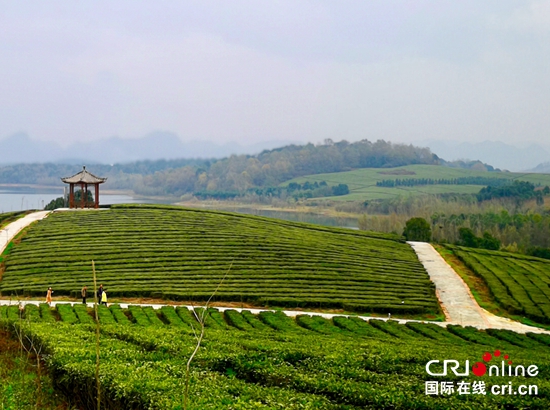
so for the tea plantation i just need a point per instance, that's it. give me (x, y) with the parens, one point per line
(184, 254)
(518, 283)
(271, 361)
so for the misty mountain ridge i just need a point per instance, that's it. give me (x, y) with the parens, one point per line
(498, 154)
(20, 148)
(543, 168)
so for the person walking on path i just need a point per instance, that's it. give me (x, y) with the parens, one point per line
(104, 297)
(99, 293)
(49, 296)
(84, 292)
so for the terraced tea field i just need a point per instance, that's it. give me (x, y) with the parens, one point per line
(270, 361)
(518, 283)
(184, 254)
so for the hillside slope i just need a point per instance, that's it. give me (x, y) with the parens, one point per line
(362, 183)
(184, 254)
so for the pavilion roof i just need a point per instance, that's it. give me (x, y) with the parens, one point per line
(84, 177)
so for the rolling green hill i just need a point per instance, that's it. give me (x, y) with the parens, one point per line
(183, 254)
(362, 182)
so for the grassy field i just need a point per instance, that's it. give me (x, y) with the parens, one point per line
(271, 361)
(519, 284)
(21, 385)
(184, 254)
(362, 182)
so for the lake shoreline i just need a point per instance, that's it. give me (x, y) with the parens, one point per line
(32, 196)
(56, 188)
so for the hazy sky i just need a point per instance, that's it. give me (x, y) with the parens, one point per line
(249, 71)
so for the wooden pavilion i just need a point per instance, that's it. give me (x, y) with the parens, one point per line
(83, 178)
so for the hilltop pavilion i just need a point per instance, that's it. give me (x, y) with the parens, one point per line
(83, 178)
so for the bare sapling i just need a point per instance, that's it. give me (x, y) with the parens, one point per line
(201, 318)
(96, 340)
(32, 347)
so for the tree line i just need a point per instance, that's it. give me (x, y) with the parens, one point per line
(236, 173)
(525, 232)
(443, 181)
(520, 190)
(293, 190)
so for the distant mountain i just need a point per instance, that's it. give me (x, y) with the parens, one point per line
(498, 154)
(20, 148)
(543, 168)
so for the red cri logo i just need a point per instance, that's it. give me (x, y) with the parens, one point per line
(480, 368)
(483, 367)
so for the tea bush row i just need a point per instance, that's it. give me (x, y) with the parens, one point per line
(183, 254)
(518, 283)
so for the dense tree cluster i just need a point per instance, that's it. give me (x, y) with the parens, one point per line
(469, 238)
(523, 227)
(518, 190)
(524, 232)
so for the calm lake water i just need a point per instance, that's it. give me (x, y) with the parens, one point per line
(18, 199)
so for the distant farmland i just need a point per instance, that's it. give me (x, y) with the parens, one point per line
(362, 182)
(183, 254)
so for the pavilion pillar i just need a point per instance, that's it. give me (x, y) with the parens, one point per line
(96, 196)
(82, 195)
(71, 196)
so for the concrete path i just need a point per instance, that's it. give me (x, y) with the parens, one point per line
(9, 232)
(454, 295)
(457, 302)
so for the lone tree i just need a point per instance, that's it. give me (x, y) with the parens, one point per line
(468, 238)
(417, 229)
